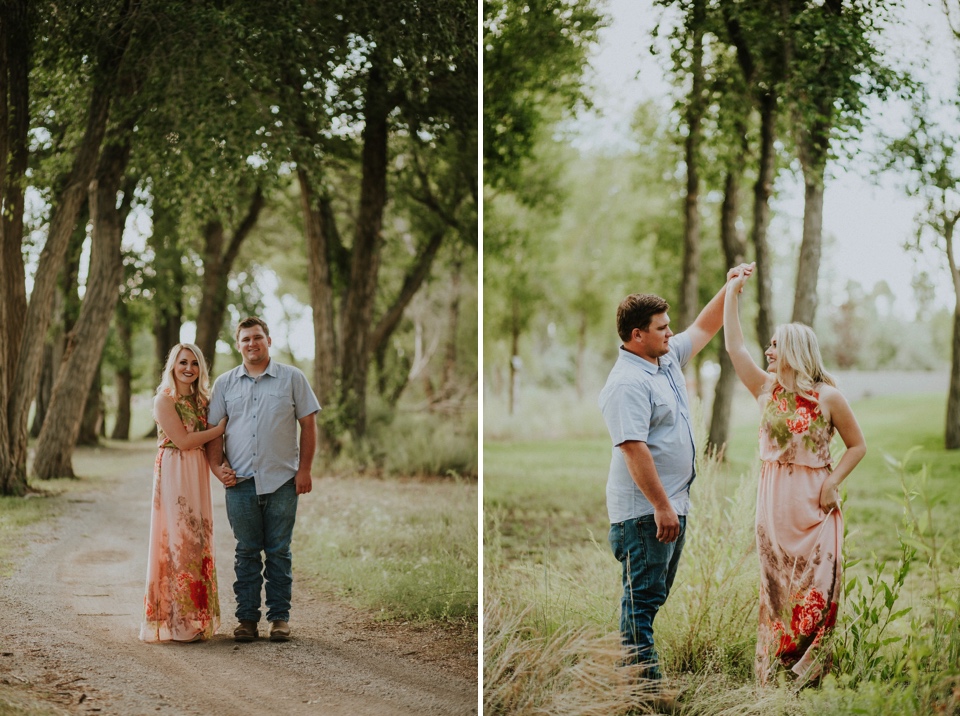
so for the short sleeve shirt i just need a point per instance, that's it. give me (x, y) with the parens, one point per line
(261, 440)
(648, 402)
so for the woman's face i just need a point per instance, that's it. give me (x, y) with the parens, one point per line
(186, 370)
(771, 354)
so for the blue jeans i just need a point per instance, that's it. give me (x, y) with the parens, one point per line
(649, 567)
(262, 524)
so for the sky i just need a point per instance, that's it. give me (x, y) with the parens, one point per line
(867, 218)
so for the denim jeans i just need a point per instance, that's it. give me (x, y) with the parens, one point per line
(262, 524)
(649, 567)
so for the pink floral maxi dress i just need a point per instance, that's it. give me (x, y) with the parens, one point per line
(181, 602)
(798, 543)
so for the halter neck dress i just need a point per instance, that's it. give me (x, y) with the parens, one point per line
(181, 602)
(799, 544)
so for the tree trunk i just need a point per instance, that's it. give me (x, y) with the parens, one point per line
(92, 420)
(808, 267)
(513, 388)
(124, 373)
(85, 342)
(690, 277)
(15, 35)
(762, 191)
(734, 249)
(322, 303)
(46, 387)
(453, 326)
(952, 429)
(367, 244)
(217, 265)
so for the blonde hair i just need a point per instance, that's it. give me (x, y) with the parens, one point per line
(200, 387)
(797, 347)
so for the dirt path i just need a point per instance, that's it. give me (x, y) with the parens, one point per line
(70, 620)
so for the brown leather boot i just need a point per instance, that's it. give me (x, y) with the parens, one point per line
(245, 631)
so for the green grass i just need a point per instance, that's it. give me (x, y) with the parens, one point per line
(405, 548)
(549, 574)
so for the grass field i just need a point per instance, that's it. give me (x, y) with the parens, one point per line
(551, 585)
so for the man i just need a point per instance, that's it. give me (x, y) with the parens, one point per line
(264, 473)
(645, 407)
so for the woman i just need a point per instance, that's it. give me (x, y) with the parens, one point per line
(799, 524)
(181, 602)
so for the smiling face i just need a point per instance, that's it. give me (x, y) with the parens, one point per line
(771, 354)
(186, 370)
(254, 346)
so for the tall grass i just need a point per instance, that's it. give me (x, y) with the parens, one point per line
(552, 586)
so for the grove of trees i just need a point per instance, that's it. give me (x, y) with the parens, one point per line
(762, 93)
(158, 156)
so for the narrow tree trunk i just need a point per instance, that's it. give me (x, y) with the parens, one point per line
(581, 354)
(124, 374)
(85, 343)
(952, 429)
(808, 267)
(513, 387)
(690, 277)
(92, 420)
(453, 327)
(367, 244)
(762, 191)
(734, 249)
(46, 387)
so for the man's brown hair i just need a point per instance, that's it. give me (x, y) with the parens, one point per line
(250, 322)
(636, 311)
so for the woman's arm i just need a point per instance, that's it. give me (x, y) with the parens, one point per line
(847, 426)
(750, 374)
(165, 411)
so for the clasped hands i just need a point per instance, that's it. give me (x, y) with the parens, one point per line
(738, 275)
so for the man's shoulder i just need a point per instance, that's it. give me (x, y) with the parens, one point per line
(228, 376)
(624, 375)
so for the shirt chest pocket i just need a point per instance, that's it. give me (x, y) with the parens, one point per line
(663, 410)
(277, 402)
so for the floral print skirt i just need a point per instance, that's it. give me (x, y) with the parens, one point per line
(181, 602)
(800, 572)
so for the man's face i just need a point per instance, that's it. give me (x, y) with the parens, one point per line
(254, 345)
(655, 340)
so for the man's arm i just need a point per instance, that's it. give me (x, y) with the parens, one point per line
(644, 473)
(224, 473)
(308, 446)
(710, 319)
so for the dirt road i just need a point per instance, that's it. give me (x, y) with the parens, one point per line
(70, 620)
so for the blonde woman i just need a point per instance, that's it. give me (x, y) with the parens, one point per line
(799, 523)
(181, 602)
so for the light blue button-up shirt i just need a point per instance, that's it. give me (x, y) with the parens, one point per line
(261, 440)
(648, 402)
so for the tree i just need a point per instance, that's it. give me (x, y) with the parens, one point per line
(928, 158)
(835, 63)
(104, 56)
(534, 57)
